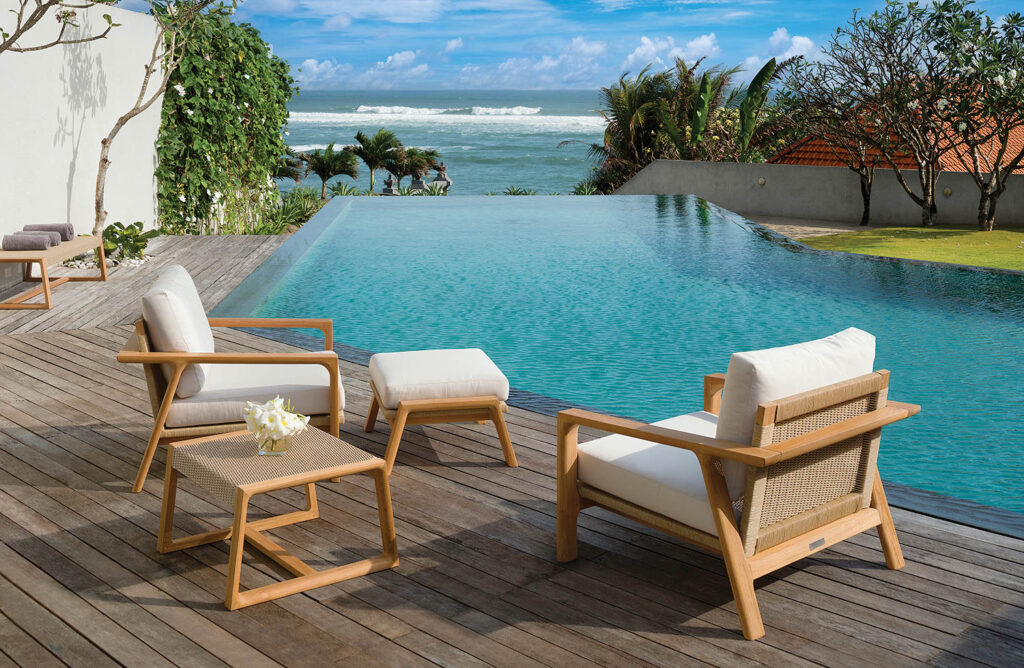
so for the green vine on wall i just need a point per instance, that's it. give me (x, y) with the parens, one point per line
(220, 134)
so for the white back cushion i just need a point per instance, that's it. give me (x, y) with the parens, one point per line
(775, 373)
(177, 322)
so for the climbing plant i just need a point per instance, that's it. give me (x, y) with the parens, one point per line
(220, 136)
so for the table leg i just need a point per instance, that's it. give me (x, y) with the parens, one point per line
(237, 547)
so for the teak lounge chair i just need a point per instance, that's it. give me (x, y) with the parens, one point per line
(196, 391)
(780, 465)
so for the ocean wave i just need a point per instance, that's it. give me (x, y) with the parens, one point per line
(425, 111)
(511, 122)
(505, 111)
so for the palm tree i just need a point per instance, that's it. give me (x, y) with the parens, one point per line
(375, 151)
(328, 163)
(291, 166)
(411, 162)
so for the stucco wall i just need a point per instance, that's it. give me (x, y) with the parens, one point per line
(56, 105)
(818, 193)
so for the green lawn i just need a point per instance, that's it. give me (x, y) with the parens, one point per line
(1003, 249)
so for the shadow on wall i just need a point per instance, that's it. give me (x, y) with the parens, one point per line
(85, 92)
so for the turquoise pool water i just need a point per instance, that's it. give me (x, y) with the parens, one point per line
(624, 303)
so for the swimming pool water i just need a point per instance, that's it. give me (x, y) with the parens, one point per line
(624, 303)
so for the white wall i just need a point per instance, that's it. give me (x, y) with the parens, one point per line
(819, 193)
(56, 105)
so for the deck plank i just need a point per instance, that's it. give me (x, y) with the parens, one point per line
(81, 581)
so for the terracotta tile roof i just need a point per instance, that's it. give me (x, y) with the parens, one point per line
(816, 151)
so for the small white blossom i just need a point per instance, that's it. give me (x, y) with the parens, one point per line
(246, 76)
(1000, 81)
(189, 112)
(180, 89)
(181, 198)
(210, 91)
(961, 126)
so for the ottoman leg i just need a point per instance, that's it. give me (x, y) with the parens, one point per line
(371, 415)
(506, 440)
(397, 427)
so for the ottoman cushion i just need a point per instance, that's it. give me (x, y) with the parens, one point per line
(436, 374)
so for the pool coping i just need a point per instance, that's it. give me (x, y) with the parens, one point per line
(246, 298)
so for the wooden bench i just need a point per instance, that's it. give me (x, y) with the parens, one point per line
(45, 258)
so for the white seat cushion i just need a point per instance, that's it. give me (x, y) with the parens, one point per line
(436, 374)
(176, 322)
(229, 386)
(775, 373)
(657, 477)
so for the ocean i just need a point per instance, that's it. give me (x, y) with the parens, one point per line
(489, 140)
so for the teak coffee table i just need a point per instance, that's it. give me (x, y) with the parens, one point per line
(227, 466)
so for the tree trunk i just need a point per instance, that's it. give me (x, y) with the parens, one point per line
(101, 183)
(865, 193)
(323, 189)
(929, 209)
(987, 210)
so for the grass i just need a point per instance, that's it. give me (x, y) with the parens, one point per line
(1002, 249)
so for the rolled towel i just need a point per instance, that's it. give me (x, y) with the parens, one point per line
(67, 230)
(54, 236)
(25, 242)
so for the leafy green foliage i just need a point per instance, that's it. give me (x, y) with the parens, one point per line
(701, 108)
(220, 136)
(753, 101)
(411, 161)
(346, 189)
(587, 187)
(376, 151)
(328, 163)
(127, 242)
(433, 190)
(296, 207)
(516, 190)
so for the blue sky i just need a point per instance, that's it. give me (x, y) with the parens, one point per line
(473, 44)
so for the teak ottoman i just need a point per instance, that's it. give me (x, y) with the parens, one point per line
(227, 466)
(437, 386)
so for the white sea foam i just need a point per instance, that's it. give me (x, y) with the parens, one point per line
(505, 111)
(511, 122)
(423, 111)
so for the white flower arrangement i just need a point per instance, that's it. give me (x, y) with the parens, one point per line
(272, 422)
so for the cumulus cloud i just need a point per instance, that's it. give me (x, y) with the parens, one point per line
(662, 51)
(575, 64)
(397, 61)
(313, 73)
(782, 46)
(453, 45)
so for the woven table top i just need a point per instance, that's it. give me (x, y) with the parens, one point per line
(222, 464)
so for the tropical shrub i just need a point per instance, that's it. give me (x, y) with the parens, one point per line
(516, 190)
(587, 187)
(295, 207)
(127, 242)
(433, 190)
(220, 135)
(328, 163)
(345, 189)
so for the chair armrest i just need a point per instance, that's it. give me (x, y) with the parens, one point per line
(133, 357)
(325, 325)
(701, 445)
(713, 385)
(893, 411)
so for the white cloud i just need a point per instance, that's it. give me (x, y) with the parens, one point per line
(660, 52)
(397, 60)
(313, 73)
(783, 47)
(338, 22)
(576, 64)
(453, 45)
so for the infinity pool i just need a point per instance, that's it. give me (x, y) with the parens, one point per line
(624, 303)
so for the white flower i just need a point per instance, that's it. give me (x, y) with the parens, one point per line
(210, 91)
(180, 89)
(272, 420)
(246, 76)
(286, 133)
(1000, 81)
(245, 104)
(189, 112)
(962, 126)
(181, 198)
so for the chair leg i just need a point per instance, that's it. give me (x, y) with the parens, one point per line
(741, 579)
(568, 499)
(886, 530)
(147, 458)
(371, 415)
(397, 427)
(237, 546)
(506, 440)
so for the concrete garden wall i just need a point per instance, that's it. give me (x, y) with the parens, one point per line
(818, 193)
(56, 105)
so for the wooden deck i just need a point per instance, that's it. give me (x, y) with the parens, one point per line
(81, 581)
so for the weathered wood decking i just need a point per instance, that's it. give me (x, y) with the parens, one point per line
(81, 581)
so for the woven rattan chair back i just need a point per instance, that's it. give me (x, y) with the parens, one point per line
(801, 494)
